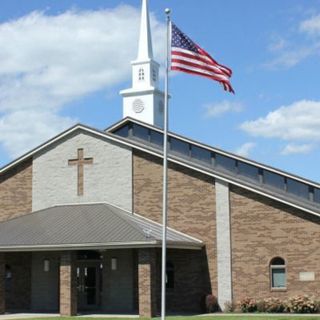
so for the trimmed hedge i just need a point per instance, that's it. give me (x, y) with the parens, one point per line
(298, 304)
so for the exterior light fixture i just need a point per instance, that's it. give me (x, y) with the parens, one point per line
(46, 265)
(114, 264)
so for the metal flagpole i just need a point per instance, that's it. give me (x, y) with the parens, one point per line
(165, 172)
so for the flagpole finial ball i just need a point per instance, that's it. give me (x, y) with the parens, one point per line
(167, 11)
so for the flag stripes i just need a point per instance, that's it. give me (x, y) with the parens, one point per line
(186, 56)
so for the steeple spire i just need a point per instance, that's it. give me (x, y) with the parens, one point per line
(144, 100)
(145, 42)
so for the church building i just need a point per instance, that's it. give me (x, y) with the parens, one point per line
(80, 218)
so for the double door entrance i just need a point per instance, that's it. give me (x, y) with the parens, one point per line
(89, 285)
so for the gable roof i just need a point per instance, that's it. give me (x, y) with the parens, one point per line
(86, 226)
(227, 170)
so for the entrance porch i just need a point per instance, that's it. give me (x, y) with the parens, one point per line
(94, 258)
(115, 281)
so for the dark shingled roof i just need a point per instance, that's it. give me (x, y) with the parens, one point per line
(86, 226)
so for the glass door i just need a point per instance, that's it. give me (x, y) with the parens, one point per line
(88, 286)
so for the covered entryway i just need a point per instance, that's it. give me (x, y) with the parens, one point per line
(84, 259)
(89, 281)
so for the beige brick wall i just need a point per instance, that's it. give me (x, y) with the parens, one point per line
(68, 288)
(262, 229)
(188, 292)
(147, 282)
(191, 204)
(16, 191)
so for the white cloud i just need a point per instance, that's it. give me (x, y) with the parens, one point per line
(299, 121)
(290, 58)
(245, 149)
(21, 129)
(297, 148)
(49, 61)
(217, 109)
(277, 43)
(296, 46)
(311, 25)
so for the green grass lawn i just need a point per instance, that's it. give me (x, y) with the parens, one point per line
(213, 317)
(247, 316)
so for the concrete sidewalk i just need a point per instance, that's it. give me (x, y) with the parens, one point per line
(11, 316)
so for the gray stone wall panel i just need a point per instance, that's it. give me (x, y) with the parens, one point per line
(108, 179)
(223, 243)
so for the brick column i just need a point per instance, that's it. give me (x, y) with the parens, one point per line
(2, 284)
(147, 283)
(68, 288)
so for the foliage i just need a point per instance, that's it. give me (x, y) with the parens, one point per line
(298, 304)
(248, 305)
(229, 307)
(211, 303)
(271, 305)
(301, 304)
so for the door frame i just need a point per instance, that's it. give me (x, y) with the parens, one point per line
(80, 275)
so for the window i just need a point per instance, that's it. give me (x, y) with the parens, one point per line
(278, 273)
(273, 179)
(316, 195)
(201, 154)
(170, 276)
(297, 188)
(122, 132)
(140, 132)
(141, 74)
(248, 170)
(154, 75)
(156, 138)
(225, 163)
(179, 146)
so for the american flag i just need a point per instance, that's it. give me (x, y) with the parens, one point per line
(187, 56)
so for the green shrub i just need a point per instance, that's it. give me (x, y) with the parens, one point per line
(273, 305)
(211, 303)
(248, 305)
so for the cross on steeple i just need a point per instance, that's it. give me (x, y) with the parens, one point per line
(80, 162)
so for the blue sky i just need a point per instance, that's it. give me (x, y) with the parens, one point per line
(64, 62)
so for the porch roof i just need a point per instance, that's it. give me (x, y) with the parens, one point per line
(86, 226)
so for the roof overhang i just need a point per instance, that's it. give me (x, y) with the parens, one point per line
(96, 226)
(101, 246)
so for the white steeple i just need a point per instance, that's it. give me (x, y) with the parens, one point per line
(144, 101)
(145, 42)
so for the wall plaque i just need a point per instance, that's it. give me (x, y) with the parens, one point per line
(306, 276)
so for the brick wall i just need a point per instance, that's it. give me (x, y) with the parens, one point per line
(188, 292)
(147, 277)
(16, 191)
(18, 288)
(191, 201)
(262, 229)
(68, 288)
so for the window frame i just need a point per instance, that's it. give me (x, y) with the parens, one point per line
(277, 267)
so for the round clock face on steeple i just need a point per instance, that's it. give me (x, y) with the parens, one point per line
(138, 105)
